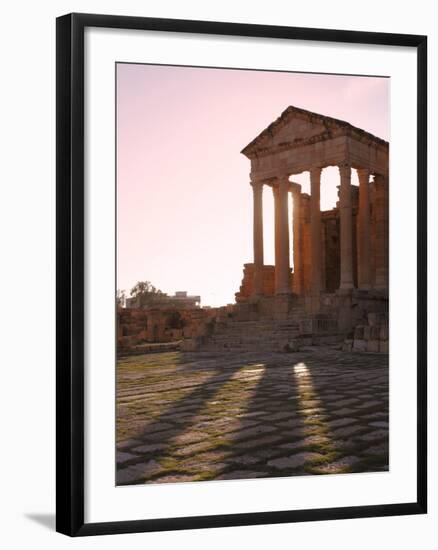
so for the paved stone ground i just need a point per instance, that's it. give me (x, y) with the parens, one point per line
(205, 416)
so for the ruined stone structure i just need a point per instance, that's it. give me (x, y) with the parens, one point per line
(339, 284)
(139, 327)
(339, 250)
(340, 257)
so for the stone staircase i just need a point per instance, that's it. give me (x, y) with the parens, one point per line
(262, 335)
(266, 333)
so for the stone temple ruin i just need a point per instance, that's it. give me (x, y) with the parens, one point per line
(337, 292)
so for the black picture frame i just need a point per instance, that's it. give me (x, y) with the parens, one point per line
(70, 272)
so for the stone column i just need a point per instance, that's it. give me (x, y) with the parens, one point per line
(315, 230)
(364, 232)
(257, 188)
(381, 240)
(283, 265)
(297, 240)
(346, 218)
(275, 192)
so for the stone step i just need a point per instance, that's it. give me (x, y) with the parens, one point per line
(265, 333)
(230, 331)
(265, 326)
(254, 338)
(242, 347)
(252, 343)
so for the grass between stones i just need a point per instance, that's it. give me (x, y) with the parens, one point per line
(201, 421)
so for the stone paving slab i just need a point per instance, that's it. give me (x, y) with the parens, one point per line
(202, 416)
(340, 466)
(293, 461)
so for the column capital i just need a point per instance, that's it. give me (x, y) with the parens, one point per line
(344, 169)
(256, 183)
(363, 174)
(283, 178)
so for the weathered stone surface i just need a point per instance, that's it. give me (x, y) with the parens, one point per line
(130, 474)
(368, 404)
(341, 422)
(201, 395)
(349, 430)
(347, 345)
(375, 435)
(380, 424)
(377, 450)
(338, 466)
(138, 472)
(373, 346)
(294, 461)
(306, 441)
(128, 443)
(245, 460)
(242, 474)
(345, 411)
(149, 448)
(191, 437)
(384, 346)
(346, 402)
(359, 345)
(259, 441)
(255, 431)
(176, 478)
(124, 457)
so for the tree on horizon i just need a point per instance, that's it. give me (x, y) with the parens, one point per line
(146, 293)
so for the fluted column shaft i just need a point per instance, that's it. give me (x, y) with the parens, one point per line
(297, 240)
(315, 230)
(283, 265)
(364, 232)
(346, 216)
(257, 188)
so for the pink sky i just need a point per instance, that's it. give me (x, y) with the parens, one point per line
(184, 210)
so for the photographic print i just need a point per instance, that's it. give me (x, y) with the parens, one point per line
(241, 274)
(252, 274)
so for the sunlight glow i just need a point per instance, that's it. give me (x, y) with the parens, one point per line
(314, 415)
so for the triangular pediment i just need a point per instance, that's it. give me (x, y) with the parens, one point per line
(296, 127)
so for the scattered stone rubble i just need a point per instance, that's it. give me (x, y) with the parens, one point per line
(370, 337)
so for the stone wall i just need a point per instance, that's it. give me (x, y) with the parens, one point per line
(247, 286)
(372, 336)
(140, 326)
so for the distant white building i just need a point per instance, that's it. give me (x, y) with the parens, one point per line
(182, 298)
(179, 300)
